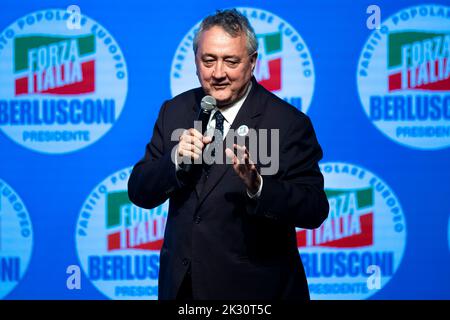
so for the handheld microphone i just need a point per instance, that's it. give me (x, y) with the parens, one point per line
(207, 104)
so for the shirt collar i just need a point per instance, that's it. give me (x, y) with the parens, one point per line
(231, 111)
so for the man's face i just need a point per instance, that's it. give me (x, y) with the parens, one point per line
(224, 66)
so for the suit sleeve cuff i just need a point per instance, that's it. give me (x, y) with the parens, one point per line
(175, 161)
(257, 194)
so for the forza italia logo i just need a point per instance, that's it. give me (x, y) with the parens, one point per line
(118, 243)
(16, 239)
(365, 229)
(404, 77)
(62, 89)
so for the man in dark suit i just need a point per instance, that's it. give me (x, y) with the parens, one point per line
(230, 232)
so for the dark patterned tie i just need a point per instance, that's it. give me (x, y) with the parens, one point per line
(217, 142)
(218, 135)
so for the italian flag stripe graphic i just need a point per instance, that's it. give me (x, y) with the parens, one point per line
(272, 44)
(340, 231)
(59, 56)
(123, 233)
(417, 67)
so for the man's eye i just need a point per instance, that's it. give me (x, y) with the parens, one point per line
(208, 62)
(231, 63)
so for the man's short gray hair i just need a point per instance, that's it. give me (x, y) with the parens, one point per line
(233, 22)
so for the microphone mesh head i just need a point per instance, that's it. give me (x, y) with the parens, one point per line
(208, 103)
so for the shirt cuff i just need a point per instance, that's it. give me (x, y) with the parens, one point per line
(175, 160)
(257, 194)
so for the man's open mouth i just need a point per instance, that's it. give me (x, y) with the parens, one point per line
(220, 86)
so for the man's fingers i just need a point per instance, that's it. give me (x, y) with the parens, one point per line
(191, 144)
(185, 154)
(239, 151)
(242, 154)
(195, 149)
(206, 140)
(190, 147)
(193, 141)
(246, 159)
(195, 133)
(197, 142)
(195, 137)
(230, 154)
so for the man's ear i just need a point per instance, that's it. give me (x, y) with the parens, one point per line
(253, 60)
(196, 65)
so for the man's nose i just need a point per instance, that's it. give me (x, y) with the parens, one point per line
(219, 70)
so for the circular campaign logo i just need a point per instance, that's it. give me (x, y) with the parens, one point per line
(16, 239)
(61, 88)
(359, 247)
(403, 77)
(284, 64)
(118, 243)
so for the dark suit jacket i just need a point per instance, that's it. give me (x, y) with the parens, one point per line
(236, 247)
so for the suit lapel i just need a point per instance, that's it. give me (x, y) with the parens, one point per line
(247, 115)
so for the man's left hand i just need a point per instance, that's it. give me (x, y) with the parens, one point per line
(244, 167)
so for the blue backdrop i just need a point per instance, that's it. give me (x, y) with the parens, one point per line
(138, 75)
